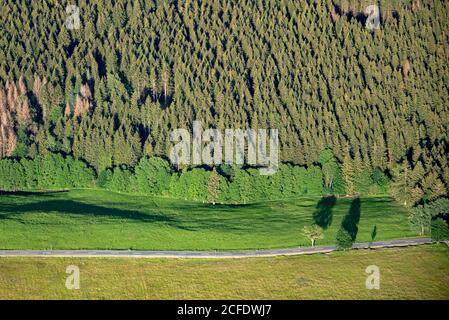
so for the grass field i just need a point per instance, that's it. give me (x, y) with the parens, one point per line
(407, 273)
(93, 219)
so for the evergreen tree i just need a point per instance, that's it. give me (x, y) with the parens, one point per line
(213, 187)
(348, 174)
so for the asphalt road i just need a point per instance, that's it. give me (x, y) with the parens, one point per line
(205, 254)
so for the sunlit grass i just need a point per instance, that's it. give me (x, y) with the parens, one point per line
(407, 273)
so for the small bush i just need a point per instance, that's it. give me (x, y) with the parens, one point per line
(344, 240)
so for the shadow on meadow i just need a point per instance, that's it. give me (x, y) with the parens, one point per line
(189, 218)
(351, 220)
(31, 193)
(14, 211)
(238, 218)
(231, 217)
(323, 214)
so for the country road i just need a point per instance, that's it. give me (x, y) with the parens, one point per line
(205, 254)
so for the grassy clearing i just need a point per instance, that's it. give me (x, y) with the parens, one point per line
(407, 273)
(92, 219)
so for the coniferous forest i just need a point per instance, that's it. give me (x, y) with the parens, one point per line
(359, 111)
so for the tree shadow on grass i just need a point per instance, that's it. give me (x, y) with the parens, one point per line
(351, 220)
(187, 217)
(14, 211)
(31, 193)
(192, 222)
(323, 214)
(241, 218)
(237, 218)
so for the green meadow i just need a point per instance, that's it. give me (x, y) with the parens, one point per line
(406, 273)
(96, 219)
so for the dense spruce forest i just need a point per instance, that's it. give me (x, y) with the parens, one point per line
(359, 111)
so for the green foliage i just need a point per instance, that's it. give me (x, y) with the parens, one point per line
(120, 179)
(381, 182)
(420, 219)
(344, 240)
(403, 185)
(51, 171)
(226, 171)
(422, 215)
(190, 184)
(303, 181)
(348, 174)
(333, 182)
(22, 146)
(152, 176)
(330, 168)
(439, 230)
(374, 234)
(12, 175)
(313, 233)
(364, 182)
(438, 207)
(56, 114)
(213, 187)
(104, 178)
(79, 175)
